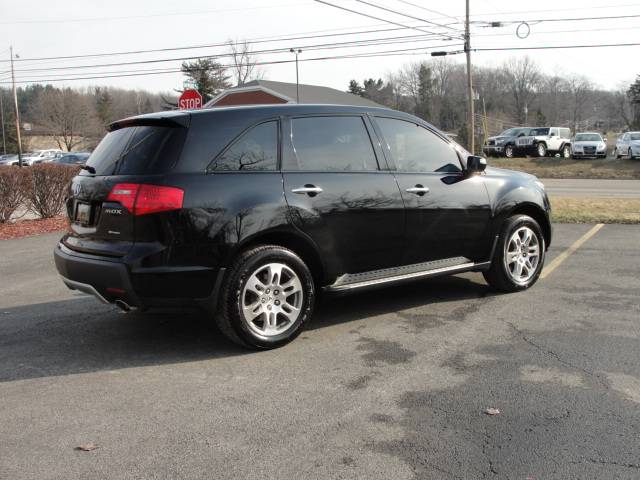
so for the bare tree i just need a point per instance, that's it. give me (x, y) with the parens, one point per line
(578, 88)
(244, 67)
(67, 114)
(522, 78)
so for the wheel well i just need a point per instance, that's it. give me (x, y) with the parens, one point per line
(539, 216)
(300, 246)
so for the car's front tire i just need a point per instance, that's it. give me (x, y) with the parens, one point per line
(519, 255)
(267, 298)
(541, 150)
(508, 151)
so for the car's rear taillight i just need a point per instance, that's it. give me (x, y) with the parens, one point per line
(141, 199)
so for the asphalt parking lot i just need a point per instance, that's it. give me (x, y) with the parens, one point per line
(387, 384)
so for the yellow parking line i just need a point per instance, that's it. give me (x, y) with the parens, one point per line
(569, 251)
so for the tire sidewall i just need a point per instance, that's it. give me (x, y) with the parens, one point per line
(238, 280)
(509, 149)
(541, 150)
(512, 224)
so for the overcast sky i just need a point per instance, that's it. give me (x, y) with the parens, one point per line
(38, 28)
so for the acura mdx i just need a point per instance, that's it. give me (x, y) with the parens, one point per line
(250, 212)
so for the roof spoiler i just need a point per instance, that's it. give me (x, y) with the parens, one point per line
(170, 120)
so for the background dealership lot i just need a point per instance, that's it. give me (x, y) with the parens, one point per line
(388, 384)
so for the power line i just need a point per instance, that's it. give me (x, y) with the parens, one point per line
(444, 15)
(573, 19)
(211, 45)
(407, 15)
(152, 15)
(378, 18)
(405, 51)
(325, 46)
(555, 47)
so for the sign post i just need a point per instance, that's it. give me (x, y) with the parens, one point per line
(189, 100)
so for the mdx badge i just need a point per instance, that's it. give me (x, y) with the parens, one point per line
(113, 211)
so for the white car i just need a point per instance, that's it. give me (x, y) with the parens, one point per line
(588, 144)
(628, 144)
(545, 140)
(41, 156)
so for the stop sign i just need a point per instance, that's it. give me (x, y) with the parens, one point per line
(190, 99)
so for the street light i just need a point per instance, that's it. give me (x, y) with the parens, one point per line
(296, 52)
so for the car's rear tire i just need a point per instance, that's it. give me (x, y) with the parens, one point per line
(267, 297)
(566, 151)
(519, 255)
(541, 150)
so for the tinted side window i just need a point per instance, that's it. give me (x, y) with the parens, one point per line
(332, 144)
(256, 150)
(416, 149)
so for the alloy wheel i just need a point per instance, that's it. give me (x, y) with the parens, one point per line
(508, 151)
(522, 255)
(271, 299)
(542, 150)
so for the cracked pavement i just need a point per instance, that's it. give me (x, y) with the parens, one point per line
(386, 384)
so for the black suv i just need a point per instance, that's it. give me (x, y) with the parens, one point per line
(248, 212)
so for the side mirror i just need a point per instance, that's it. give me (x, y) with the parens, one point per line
(476, 164)
(552, 134)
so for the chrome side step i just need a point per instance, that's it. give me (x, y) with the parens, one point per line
(352, 281)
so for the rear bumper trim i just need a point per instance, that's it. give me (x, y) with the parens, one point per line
(84, 288)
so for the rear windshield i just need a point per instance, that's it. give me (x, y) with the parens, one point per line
(137, 150)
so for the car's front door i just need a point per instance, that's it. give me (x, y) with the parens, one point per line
(341, 193)
(554, 139)
(448, 212)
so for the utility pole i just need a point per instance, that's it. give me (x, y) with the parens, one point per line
(296, 52)
(15, 104)
(467, 50)
(4, 141)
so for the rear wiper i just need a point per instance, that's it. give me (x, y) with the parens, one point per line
(88, 168)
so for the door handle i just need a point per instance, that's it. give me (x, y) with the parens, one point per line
(310, 190)
(418, 190)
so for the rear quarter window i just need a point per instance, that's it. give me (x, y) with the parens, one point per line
(138, 150)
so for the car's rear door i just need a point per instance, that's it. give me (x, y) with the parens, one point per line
(340, 192)
(447, 212)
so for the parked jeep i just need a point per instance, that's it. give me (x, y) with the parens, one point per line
(504, 144)
(543, 141)
(249, 212)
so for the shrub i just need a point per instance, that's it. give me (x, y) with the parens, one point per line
(49, 186)
(13, 191)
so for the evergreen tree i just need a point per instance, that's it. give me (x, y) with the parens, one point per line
(208, 76)
(634, 97)
(425, 92)
(355, 88)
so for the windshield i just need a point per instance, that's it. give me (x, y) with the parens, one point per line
(539, 131)
(588, 137)
(634, 136)
(512, 132)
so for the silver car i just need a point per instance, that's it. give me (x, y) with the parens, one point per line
(628, 145)
(588, 145)
(9, 159)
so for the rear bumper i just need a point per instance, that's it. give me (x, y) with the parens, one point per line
(113, 280)
(108, 280)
